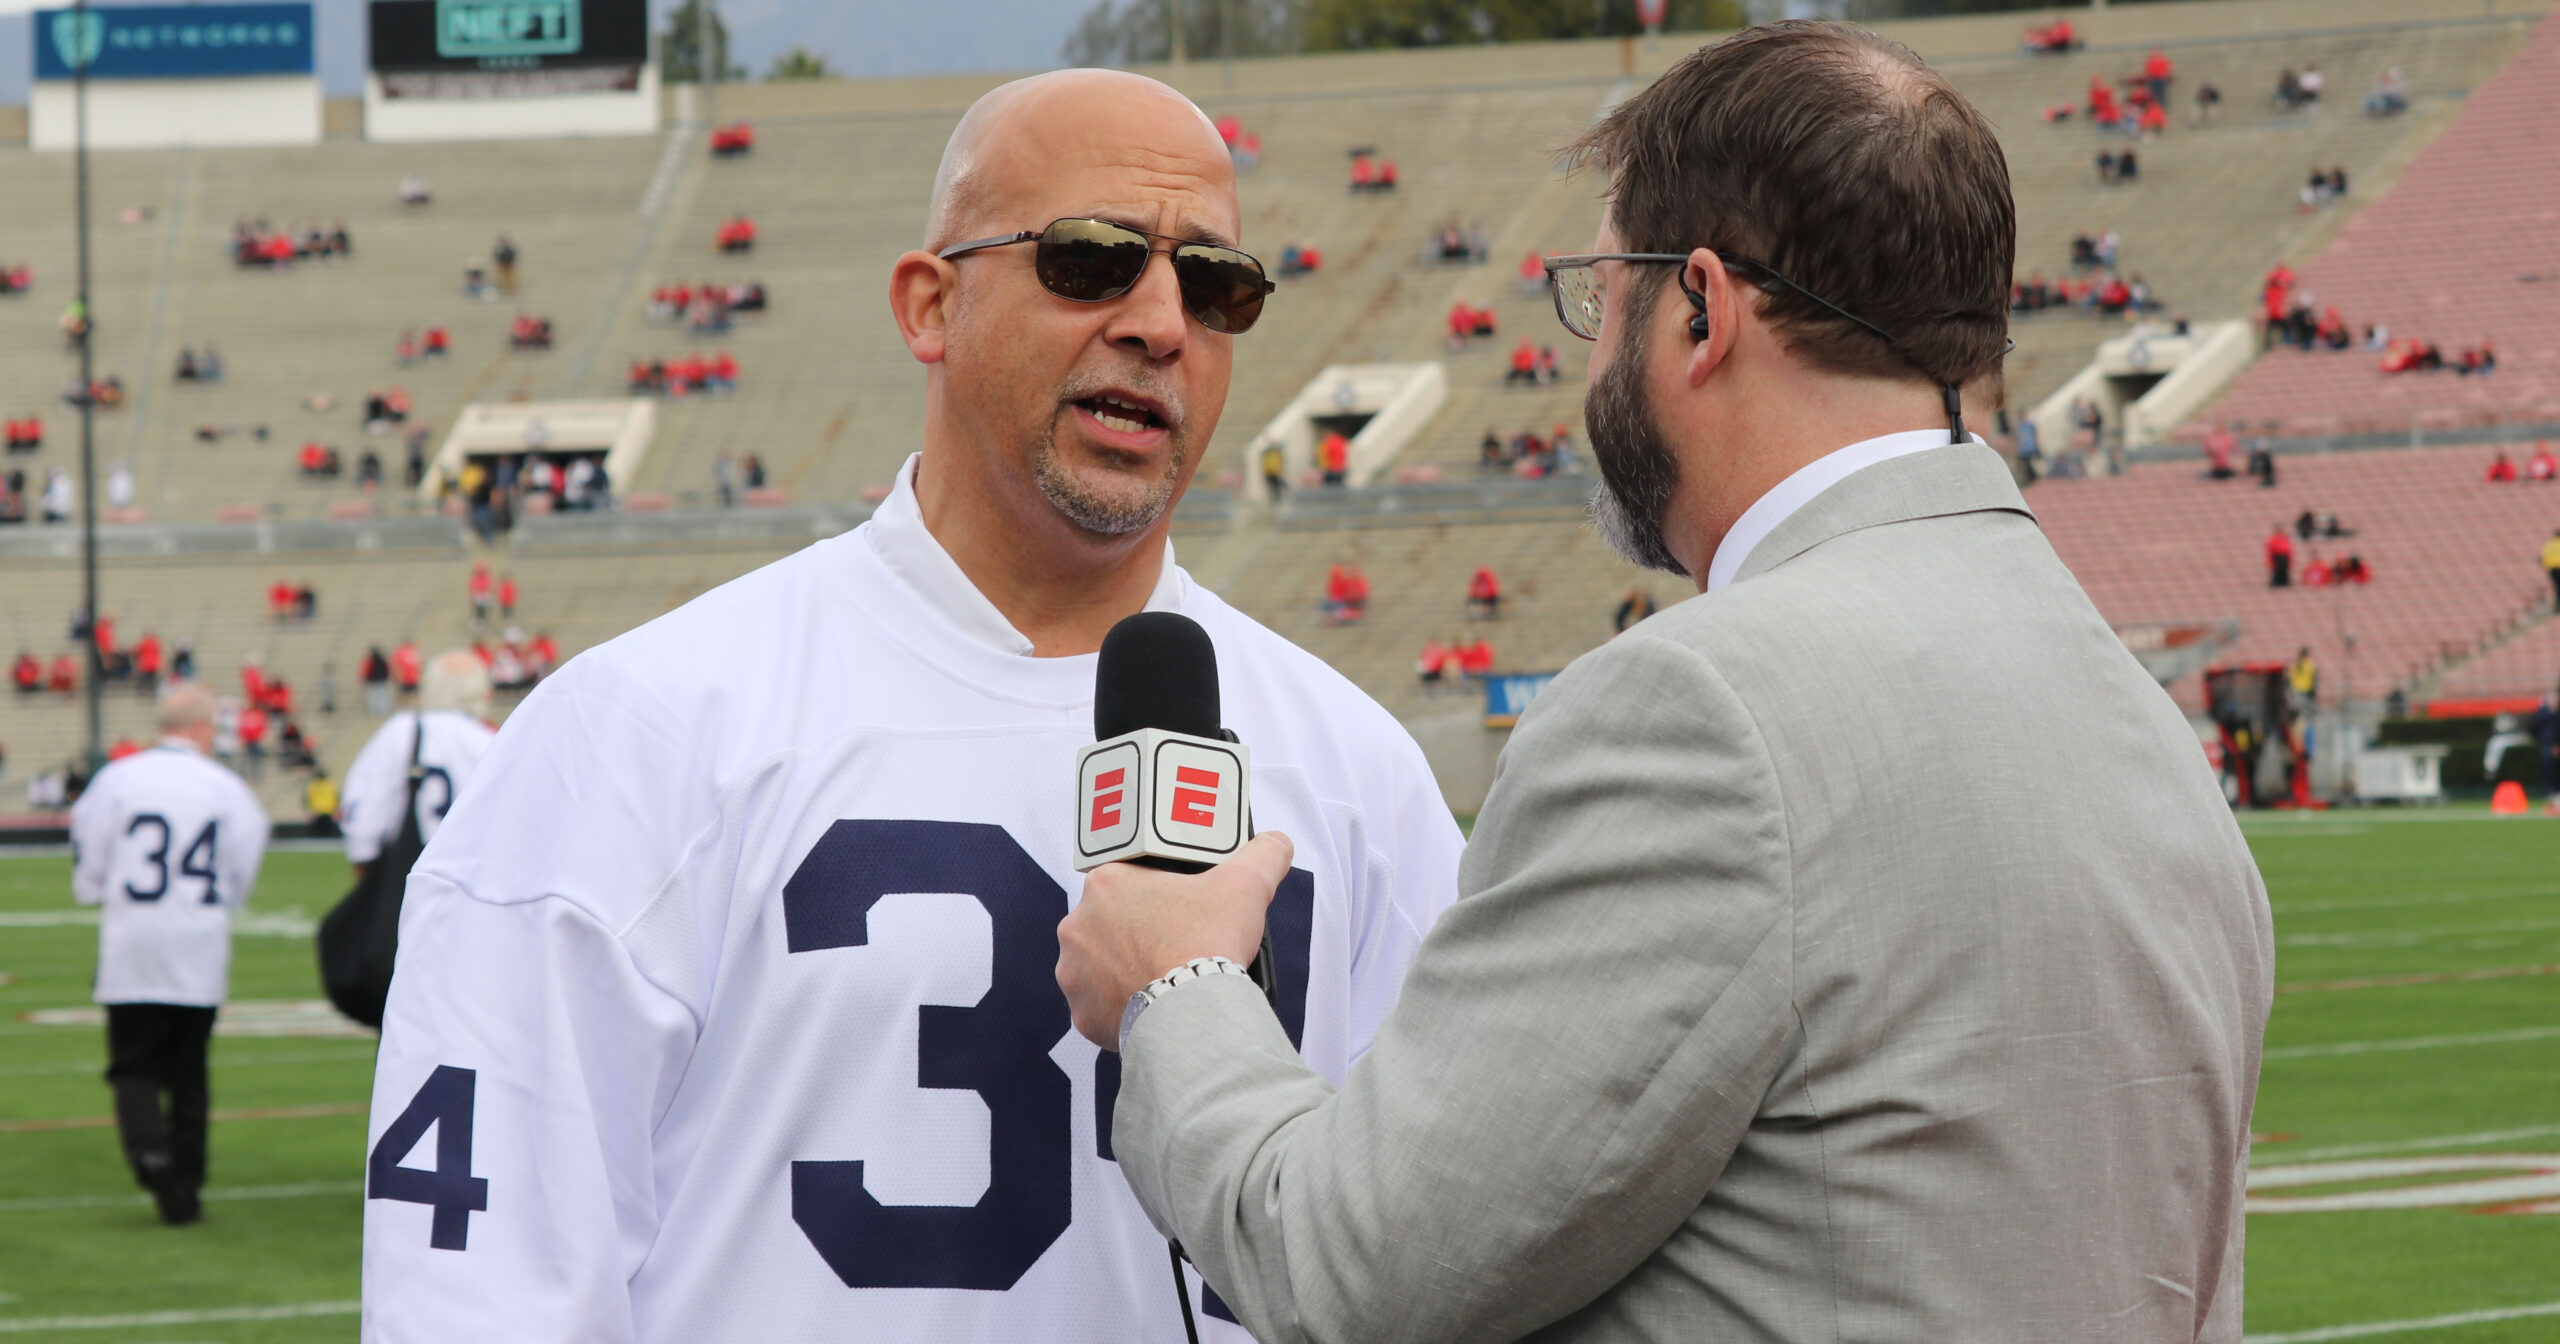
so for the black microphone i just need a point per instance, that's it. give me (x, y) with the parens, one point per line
(1165, 784)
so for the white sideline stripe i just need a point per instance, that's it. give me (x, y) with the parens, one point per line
(304, 1190)
(2408, 1145)
(225, 1063)
(291, 1311)
(2412, 1043)
(2404, 1327)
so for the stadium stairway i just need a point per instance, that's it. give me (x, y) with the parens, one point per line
(2454, 560)
(2466, 249)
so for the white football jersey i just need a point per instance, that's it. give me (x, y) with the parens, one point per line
(728, 988)
(167, 843)
(370, 796)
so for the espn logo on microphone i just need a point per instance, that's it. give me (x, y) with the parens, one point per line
(1160, 794)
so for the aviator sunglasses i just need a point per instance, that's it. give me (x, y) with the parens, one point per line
(1096, 261)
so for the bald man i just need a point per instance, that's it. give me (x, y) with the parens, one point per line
(727, 989)
(167, 843)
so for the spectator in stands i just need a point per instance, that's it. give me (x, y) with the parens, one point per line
(58, 500)
(475, 284)
(186, 364)
(1475, 658)
(733, 141)
(529, 332)
(253, 739)
(1524, 364)
(2279, 558)
(1435, 662)
(64, 677)
(2390, 96)
(481, 588)
(2350, 570)
(2543, 466)
(2151, 121)
(2157, 72)
(2502, 469)
(1484, 595)
(503, 255)
(1274, 465)
(2289, 94)
(413, 189)
(2303, 676)
(2262, 463)
(2313, 84)
(2315, 573)
(2208, 104)
(1346, 595)
(1333, 458)
(2053, 39)
(27, 673)
(2481, 359)
(1297, 259)
(2106, 168)
(209, 365)
(2221, 454)
(507, 597)
(2128, 168)
(2551, 567)
(375, 673)
(147, 663)
(737, 234)
(406, 664)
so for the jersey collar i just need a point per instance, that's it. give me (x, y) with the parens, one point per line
(911, 552)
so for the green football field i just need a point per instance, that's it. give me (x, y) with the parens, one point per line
(2413, 1060)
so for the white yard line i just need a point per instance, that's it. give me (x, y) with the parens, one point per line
(290, 1311)
(2412, 1043)
(2412, 937)
(222, 1063)
(233, 1194)
(2282, 1157)
(2395, 902)
(2404, 1327)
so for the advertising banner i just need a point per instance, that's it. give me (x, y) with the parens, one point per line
(507, 48)
(174, 41)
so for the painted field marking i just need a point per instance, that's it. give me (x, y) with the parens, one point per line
(2426, 978)
(232, 1194)
(248, 1017)
(225, 1063)
(292, 1311)
(2527, 1193)
(2411, 937)
(264, 924)
(2412, 1043)
(2404, 1327)
(2395, 902)
(2421, 1145)
(264, 1113)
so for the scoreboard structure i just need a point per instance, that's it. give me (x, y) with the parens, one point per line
(162, 76)
(509, 69)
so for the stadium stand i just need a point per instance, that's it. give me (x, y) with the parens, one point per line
(2465, 251)
(828, 399)
(2453, 558)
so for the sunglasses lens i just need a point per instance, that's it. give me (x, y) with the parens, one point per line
(1222, 287)
(1089, 261)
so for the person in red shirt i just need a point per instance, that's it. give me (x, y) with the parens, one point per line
(1524, 364)
(406, 664)
(2153, 120)
(2316, 573)
(2156, 74)
(1484, 594)
(66, 674)
(507, 596)
(28, 673)
(2279, 558)
(2544, 466)
(543, 654)
(480, 588)
(146, 662)
(1346, 595)
(2221, 455)
(105, 630)
(2502, 471)
(1433, 665)
(724, 372)
(439, 342)
(253, 681)
(1476, 658)
(1333, 457)
(253, 738)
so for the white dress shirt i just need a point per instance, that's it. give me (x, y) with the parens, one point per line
(1798, 490)
(898, 535)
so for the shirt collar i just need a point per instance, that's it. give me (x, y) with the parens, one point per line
(1800, 489)
(174, 743)
(902, 541)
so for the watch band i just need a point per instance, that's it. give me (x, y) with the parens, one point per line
(1197, 968)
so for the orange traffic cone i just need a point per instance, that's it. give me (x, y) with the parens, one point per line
(2508, 801)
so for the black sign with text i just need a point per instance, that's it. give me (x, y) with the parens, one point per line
(489, 37)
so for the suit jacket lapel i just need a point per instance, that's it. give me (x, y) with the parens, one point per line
(1959, 478)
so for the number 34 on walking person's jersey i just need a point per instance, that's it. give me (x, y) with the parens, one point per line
(726, 1006)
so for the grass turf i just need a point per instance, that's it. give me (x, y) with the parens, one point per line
(2358, 897)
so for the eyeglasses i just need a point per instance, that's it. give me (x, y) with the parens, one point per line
(1096, 261)
(1581, 303)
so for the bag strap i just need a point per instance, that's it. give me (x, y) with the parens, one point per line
(417, 749)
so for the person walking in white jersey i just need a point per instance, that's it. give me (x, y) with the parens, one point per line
(728, 986)
(448, 733)
(168, 844)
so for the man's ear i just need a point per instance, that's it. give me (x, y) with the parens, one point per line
(1704, 274)
(920, 288)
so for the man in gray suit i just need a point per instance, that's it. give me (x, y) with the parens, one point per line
(1861, 951)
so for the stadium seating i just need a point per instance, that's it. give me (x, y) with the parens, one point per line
(2455, 560)
(2463, 251)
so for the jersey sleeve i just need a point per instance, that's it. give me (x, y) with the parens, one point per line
(371, 793)
(520, 1021)
(246, 849)
(92, 842)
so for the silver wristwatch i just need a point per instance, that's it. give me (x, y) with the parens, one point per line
(1194, 969)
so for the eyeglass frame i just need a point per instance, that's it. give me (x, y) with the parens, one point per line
(1269, 286)
(1585, 260)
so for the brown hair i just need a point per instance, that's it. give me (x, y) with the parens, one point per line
(1840, 159)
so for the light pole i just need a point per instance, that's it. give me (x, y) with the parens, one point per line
(80, 50)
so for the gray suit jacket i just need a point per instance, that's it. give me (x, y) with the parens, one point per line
(1860, 952)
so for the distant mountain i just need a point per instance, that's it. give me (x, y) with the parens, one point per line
(858, 37)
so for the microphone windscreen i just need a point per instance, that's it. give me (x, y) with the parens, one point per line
(1157, 670)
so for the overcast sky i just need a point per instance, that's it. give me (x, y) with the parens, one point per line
(859, 37)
